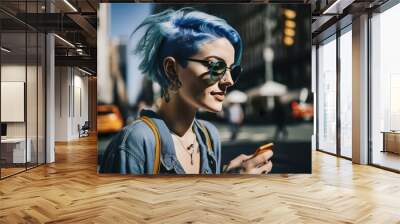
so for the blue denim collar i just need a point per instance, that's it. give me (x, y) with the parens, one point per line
(168, 155)
(203, 145)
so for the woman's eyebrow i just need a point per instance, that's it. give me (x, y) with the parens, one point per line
(213, 56)
(219, 58)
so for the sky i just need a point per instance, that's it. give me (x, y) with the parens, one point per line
(125, 17)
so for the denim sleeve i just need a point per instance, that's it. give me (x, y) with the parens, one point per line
(126, 154)
(217, 149)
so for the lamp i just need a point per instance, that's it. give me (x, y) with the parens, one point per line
(64, 40)
(84, 71)
(5, 50)
(70, 5)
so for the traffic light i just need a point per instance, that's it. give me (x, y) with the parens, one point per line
(289, 28)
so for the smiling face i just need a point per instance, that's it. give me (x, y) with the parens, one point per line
(194, 77)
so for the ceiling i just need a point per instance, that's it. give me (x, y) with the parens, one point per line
(74, 22)
(332, 15)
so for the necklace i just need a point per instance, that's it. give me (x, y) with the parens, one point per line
(190, 148)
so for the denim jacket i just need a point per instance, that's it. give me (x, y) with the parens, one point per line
(132, 150)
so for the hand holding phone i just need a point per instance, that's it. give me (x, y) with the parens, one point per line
(263, 149)
(257, 163)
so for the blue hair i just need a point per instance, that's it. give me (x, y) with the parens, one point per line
(179, 34)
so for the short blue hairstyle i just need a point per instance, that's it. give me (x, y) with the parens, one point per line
(179, 34)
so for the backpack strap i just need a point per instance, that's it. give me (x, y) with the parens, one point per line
(207, 134)
(157, 150)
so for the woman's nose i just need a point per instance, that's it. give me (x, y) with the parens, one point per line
(227, 80)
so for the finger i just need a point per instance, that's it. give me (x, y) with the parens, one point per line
(266, 168)
(237, 162)
(244, 157)
(268, 154)
(258, 160)
(263, 169)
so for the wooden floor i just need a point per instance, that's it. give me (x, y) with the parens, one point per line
(387, 159)
(10, 171)
(70, 191)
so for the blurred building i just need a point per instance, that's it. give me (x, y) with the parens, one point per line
(277, 46)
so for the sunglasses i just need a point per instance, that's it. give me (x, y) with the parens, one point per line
(217, 70)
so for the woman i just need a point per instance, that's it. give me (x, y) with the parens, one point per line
(194, 57)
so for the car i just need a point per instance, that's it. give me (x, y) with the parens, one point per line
(109, 119)
(304, 111)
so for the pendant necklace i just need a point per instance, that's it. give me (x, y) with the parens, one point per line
(190, 148)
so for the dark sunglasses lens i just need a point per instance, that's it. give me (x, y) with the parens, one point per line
(235, 72)
(218, 67)
(215, 77)
(217, 70)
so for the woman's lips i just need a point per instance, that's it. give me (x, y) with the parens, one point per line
(218, 95)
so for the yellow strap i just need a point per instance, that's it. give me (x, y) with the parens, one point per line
(207, 134)
(157, 152)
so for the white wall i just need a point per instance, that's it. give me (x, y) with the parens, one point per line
(33, 126)
(12, 73)
(79, 117)
(61, 103)
(71, 87)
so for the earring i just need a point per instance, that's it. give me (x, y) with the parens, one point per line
(166, 97)
(175, 86)
(179, 84)
(165, 94)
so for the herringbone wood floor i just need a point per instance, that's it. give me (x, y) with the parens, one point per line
(70, 191)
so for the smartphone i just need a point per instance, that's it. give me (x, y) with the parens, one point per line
(263, 148)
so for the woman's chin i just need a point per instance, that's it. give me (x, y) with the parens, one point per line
(213, 107)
